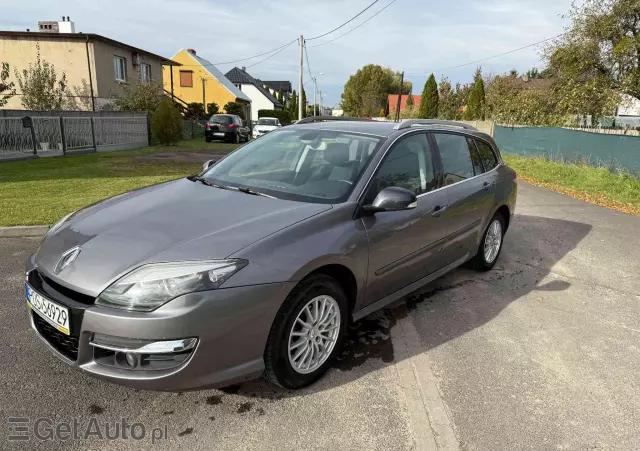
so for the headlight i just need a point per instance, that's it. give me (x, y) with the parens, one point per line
(148, 287)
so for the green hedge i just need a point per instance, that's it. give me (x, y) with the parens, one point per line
(284, 116)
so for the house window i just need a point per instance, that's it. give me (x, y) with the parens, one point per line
(145, 73)
(186, 79)
(120, 68)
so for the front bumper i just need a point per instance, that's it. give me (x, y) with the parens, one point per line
(231, 325)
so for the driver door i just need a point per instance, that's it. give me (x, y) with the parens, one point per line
(404, 245)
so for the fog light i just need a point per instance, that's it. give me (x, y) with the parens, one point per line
(131, 359)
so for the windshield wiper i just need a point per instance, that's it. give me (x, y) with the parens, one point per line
(197, 178)
(250, 191)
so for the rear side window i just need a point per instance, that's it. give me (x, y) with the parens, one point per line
(460, 160)
(487, 156)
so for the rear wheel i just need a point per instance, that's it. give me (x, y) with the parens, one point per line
(208, 140)
(306, 333)
(490, 246)
(236, 139)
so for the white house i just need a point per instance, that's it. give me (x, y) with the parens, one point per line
(261, 98)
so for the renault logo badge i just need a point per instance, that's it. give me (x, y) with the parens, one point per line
(66, 259)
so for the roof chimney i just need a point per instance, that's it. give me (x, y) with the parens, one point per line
(63, 18)
(68, 19)
(192, 51)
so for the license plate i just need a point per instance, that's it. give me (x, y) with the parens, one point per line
(54, 314)
(218, 134)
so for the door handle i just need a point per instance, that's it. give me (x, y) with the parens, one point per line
(438, 210)
(486, 186)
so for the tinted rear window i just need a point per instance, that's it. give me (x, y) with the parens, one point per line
(221, 119)
(486, 155)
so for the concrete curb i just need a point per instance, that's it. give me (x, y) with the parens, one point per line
(24, 231)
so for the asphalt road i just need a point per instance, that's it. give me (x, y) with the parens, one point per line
(541, 353)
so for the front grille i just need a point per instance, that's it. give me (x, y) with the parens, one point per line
(55, 291)
(64, 344)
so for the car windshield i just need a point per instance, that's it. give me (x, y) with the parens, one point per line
(267, 122)
(221, 119)
(319, 166)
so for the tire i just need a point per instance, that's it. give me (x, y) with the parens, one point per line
(208, 140)
(236, 140)
(482, 261)
(286, 329)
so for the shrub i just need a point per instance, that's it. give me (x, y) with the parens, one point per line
(166, 123)
(234, 108)
(195, 110)
(284, 116)
(212, 108)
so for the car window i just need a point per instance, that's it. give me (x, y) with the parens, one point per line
(487, 156)
(265, 121)
(221, 119)
(408, 165)
(460, 160)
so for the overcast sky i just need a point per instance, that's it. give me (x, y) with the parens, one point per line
(417, 36)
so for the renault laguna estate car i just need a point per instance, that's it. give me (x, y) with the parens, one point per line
(257, 265)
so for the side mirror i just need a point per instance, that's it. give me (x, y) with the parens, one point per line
(207, 164)
(392, 198)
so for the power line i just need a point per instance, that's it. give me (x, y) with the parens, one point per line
(488, 58)
(337, 28)
(271, 56)
(244, 59)
(306, 54)
(357, 26)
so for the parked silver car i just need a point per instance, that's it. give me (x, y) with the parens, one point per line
(256, 265)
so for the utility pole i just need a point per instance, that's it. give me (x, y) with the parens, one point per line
(321, 105)
(204, 97)
(400, 97)
(315, 91)
(300, 79)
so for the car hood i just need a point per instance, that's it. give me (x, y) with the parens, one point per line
(174, 221)
(265, 128)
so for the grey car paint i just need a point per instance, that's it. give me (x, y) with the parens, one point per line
(381, 257)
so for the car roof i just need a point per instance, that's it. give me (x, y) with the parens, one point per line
(382, 129)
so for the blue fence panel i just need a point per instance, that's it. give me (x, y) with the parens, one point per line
(596, 149)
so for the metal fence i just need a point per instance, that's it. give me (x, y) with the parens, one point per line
(616, 152)
(58, 135)
(193, 129)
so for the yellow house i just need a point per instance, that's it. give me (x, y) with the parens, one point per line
(197, 80)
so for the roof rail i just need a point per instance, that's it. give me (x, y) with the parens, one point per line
(311, 119)
(433, 122)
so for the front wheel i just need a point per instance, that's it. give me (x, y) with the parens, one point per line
(306, 333)
(491, 245)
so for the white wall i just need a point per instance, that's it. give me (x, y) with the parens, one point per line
(258, 100)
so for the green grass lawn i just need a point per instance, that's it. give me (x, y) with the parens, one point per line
(595, 185)
(43, 190)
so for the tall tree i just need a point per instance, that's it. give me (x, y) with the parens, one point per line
(475, 107)
(304, 103)
(598, 58)
(365, 93)
(447, 107)
(409, 100)
(6, 87)
(293, 106)
(40, 86)
(280, 96)
(429, 100)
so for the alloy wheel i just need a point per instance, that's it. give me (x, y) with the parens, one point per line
(492, 241)
(314, 334)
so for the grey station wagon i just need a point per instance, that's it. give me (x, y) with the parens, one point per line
(257, 265)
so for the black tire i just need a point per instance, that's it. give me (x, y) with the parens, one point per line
(208, 140)
(278, 369)
(479, 262)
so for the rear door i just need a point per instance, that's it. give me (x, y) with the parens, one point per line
(470, 192)
(404, 245)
